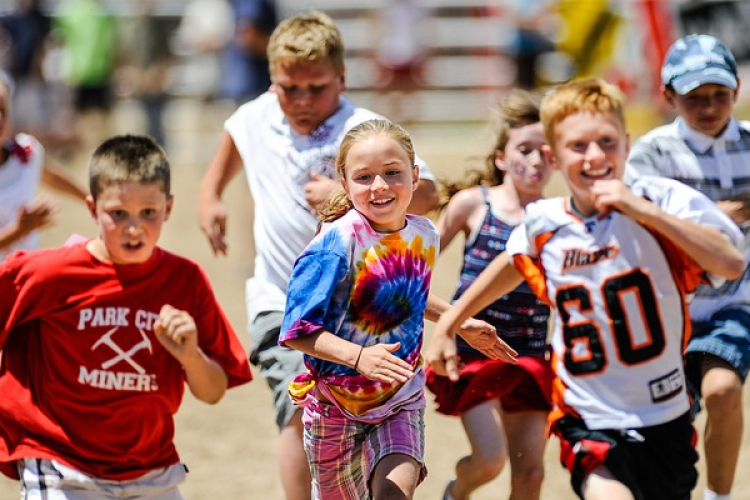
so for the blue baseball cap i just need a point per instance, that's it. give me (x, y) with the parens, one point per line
(695, 60)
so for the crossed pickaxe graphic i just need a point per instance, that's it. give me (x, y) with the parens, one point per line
(106, 339)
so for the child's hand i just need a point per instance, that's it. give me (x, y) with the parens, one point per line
(442, 356)
(483, 337)
(376, 362)
(738, 210)
(212, 216)
(613, 194)
(35, 215)
(176, 331)
(318, 189)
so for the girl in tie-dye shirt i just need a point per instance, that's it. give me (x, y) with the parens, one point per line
(356, 306)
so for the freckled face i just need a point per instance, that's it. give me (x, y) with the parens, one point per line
(589, 147)
(130, 216)
(380, 181)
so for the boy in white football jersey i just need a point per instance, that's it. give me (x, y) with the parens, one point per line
(286, 141)
(617, 264)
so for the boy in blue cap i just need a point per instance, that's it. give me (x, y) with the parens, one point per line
(706, 148)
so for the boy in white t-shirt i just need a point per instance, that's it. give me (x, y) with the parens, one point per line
(286, 141)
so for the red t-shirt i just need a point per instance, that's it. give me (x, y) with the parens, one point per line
(83, 379)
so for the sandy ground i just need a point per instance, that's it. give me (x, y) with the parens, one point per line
(230, 448)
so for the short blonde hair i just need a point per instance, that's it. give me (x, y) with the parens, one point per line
(128, 158)
(592, 96)
(309, 37)
(338, 204)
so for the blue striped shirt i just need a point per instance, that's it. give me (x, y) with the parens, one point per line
(719, 167)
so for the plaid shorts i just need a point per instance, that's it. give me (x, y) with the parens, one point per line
(343, 453)
(43, 479)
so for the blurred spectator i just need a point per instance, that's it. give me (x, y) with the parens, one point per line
(87, 33)
(245, 72)
(206, 27)
(535, 23)
(401, 54)
(41, 107)
(147, 61)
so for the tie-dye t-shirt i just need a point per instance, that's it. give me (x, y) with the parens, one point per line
(368, 288)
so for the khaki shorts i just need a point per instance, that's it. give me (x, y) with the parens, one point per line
(278, 365)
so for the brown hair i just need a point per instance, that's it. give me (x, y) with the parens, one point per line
(128, 158)
(592, 96)
(338, 204)
(309, 37)
(518, 109)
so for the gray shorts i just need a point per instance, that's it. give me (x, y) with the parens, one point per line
(278, 365)
(50, 480)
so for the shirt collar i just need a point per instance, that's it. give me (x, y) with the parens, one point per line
(280, 123)
(703, 142)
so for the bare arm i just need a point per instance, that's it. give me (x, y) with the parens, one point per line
(375, 362)
(481, 335)
(28, 218)
(176, 331)
(707, 246)
(426, 198)
(457, 215)
(60, 181)
(212, 213)
(498, 279)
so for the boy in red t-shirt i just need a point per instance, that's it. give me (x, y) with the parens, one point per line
(99, 338)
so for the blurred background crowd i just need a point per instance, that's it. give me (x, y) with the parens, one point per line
(74, 61)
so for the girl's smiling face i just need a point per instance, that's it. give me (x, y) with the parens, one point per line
(380, 181)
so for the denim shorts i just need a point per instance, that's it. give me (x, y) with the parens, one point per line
(278, 365)
(725, 335)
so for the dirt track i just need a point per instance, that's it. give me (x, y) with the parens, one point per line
(230, 448)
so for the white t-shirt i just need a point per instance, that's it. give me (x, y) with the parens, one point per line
(619, 290)
(19, 182)
(278, 163)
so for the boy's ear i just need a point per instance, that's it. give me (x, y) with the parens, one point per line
(669, 95)
(549, 156)
(91, 205)
(342, 80)
(170, 202)
(737, 91)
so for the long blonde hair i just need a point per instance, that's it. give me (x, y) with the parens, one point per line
(338, 204)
